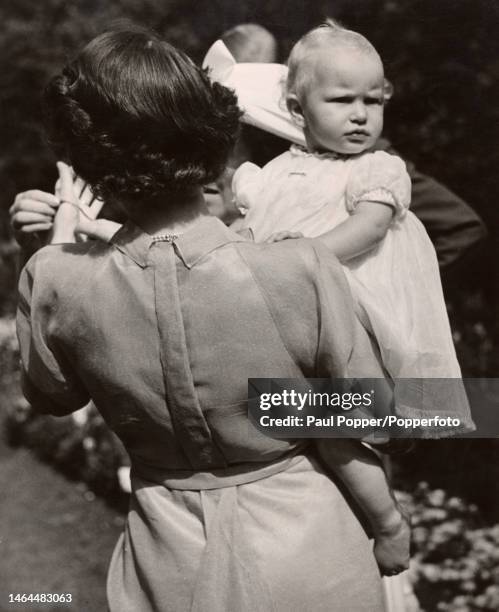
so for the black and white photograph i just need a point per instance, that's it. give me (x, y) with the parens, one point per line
(249, 331)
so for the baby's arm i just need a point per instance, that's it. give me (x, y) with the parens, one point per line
(361, 472)
(101, 229)
(363, 230)
(378, 189)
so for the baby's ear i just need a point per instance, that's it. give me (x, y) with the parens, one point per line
(387, 90)
(295, 110)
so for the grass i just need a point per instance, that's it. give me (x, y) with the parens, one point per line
(55, 536)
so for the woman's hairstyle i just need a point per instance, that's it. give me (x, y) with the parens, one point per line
(330, 34)
(137, 118)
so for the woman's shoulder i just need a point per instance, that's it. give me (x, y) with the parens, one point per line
(59, 262)
(59, 273)
(57, 252)
(294, 261)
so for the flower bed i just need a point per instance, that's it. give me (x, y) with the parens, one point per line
(86, 451)
(82, 448)
(455, 561)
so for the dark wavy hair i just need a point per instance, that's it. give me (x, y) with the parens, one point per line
(137, 118)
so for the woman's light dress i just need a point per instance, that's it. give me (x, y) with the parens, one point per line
(396, 285)
(164, 336)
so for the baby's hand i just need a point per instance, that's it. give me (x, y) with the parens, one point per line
(392, 546)
(284, 235)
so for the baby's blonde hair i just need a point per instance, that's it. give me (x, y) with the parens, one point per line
(329, 34)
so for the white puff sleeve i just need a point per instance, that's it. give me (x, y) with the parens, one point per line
(379, 177)
(246, 186)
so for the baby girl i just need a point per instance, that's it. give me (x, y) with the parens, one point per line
(356, 201)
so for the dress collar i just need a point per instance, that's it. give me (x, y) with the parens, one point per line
(300, 151)
(207, 234)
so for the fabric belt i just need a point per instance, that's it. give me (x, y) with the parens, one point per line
(187, 480)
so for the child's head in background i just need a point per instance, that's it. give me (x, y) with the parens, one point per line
(250, 42)
(336, 90)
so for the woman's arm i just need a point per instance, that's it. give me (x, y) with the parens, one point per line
(362, 231)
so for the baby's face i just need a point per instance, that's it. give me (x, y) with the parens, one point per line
(343, 101)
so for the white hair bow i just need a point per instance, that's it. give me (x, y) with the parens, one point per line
(259, 89)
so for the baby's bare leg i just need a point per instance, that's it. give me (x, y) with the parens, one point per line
(362, 473)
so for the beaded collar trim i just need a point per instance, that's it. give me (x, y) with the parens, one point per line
(301, 151)
(164, 237)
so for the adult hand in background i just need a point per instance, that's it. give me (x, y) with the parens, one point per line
(33, 212)
(77, 209)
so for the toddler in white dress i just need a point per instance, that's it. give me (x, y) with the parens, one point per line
(357, 202)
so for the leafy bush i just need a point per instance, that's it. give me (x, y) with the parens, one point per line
(9, 349)
(86, 451)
